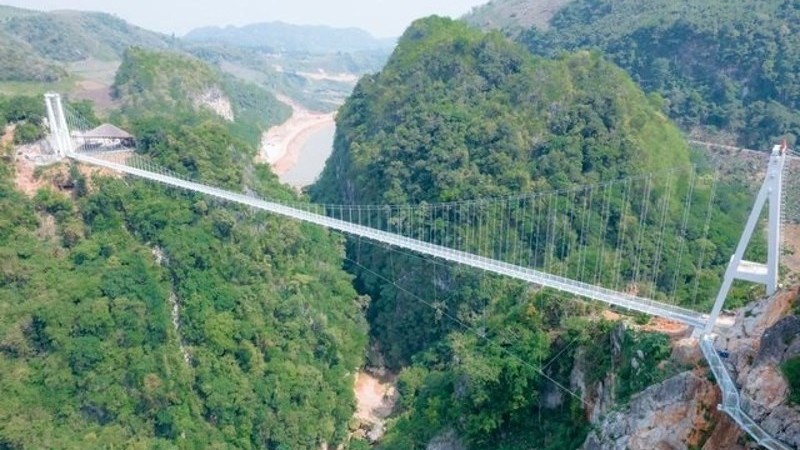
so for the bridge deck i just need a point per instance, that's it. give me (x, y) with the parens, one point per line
(608, 296)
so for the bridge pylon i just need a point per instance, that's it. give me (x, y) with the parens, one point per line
(61, 140)
(738, 269)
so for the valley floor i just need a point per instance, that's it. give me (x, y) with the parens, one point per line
(282, 145)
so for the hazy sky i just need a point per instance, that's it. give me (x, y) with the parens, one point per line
(383, 18)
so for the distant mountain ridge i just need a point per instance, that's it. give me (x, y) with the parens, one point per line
(33, 44)
(281, 36)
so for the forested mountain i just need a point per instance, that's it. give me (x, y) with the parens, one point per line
(320, 82)
(95, 269)
(134, 315)
(284, 37)
(458, 114)
(149, 80)
(730, 66)
(314, 65)
(78, 52)
(31, 42)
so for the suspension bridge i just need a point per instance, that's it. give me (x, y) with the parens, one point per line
(610, 242)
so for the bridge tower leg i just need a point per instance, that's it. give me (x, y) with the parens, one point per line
(738, 268)
(59, 130)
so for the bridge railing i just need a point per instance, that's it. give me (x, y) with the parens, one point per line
(731, 400)
(578, 288)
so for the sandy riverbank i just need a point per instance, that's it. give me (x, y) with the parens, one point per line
(376, 397)
(281, 145)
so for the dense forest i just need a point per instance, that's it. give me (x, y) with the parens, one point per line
(728, 66)
(137, 316)
(270, 330)
(149, 81)
(458, 114)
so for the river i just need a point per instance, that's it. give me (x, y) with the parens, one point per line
(312, 158)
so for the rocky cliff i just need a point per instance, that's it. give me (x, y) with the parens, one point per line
(762, 338)
(669, 415)
(681, 411)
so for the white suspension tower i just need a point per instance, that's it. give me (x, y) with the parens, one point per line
(738, 268)
(57, 120)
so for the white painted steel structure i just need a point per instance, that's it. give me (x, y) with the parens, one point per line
(738, 269)
(57, 121)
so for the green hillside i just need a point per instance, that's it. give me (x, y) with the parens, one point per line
(502, 107)
(150, 81)
(59, 50)
(272, 327)
(36, 46)
(458, 114)
(730, 66)
(67, 36)
(20, 62)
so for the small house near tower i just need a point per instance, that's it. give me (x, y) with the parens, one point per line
(106, 136)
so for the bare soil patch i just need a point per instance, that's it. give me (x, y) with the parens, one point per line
(376, 396)
(321, 75)
(790, 256)
(96, 92)
(96, 79)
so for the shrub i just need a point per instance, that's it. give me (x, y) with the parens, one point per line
(791, 370)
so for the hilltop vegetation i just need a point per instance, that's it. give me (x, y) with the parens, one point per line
(272, 328)
(725, 65)
(149, 82)
(35, 44)
(74, 36)
(457, 114)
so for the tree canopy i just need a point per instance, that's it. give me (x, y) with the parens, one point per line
(137, 316)
(730, 66)
(458, 114)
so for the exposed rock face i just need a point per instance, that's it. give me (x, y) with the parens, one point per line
(215, 100)
(765, 390)
(670, 415)
(759, 342)
(780, 342)
(726, 435)
(600, 397)
(446, 441)
(682, 411)
(376, 396)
